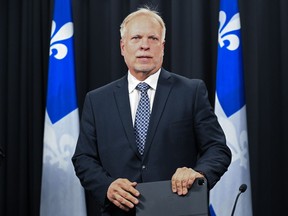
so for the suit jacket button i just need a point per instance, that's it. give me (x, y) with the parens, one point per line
(143, 166)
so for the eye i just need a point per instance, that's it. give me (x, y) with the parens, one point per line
(154, 38)
(135, 37)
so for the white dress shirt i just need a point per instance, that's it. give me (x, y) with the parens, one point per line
(134, 94)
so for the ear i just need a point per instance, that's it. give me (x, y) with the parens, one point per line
(163, 46)
(122, 47)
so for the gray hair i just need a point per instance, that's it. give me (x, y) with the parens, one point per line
(143, 11)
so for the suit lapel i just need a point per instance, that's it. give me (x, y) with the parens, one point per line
(121, 95)
(122, 100)
(164, 87)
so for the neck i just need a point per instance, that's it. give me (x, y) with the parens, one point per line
(142, 75)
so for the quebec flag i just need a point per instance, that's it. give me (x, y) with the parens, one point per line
(230, 109)
(61, 192)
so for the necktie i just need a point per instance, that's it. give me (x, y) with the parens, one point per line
(142, 117)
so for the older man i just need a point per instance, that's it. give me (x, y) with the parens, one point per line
(150, 125)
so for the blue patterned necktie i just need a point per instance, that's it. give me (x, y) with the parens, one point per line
(142, 117)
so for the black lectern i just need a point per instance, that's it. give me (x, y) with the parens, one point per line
(157, 199)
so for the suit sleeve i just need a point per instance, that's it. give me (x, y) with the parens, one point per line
(214, 154)
(86, 160)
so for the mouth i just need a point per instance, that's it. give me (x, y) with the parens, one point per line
(144, 58)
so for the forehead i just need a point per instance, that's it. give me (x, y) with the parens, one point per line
(143, 24)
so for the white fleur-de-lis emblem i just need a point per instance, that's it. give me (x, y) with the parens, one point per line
(58, 150)
(238, 145)
(64, 33)
(223, 33)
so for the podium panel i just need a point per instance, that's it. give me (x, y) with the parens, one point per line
(157, 199)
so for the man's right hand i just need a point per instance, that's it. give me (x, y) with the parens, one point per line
(123, 194)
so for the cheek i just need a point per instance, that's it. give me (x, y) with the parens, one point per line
(132, 49)
(131, 54)
(160, 52)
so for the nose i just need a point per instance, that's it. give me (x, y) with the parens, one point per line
(144, 44)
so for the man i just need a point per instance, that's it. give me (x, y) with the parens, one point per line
(184, 140)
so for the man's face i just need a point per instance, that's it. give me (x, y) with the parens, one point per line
(142, 46)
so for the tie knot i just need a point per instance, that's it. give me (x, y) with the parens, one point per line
(143, 86)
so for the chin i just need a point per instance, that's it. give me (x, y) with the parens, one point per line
(144, 70)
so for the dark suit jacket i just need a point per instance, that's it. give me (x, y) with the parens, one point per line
(183, 131)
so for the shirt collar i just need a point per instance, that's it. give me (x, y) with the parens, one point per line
(152, 81)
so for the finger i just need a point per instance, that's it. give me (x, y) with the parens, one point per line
(193, 175)
(120, 200)
(177, 181)
(119, 205)
(129, 198)
(184, 187)
(185, 177)
(119, 192)
(188, 179)
(125, 200)
(190, 182)
(131, 189)
(127, 191)
(173, 181)
(182, 180)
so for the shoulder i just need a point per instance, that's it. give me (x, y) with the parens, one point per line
(182, 80)
(109, 88)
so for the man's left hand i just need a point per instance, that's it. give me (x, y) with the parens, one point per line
(183, 179)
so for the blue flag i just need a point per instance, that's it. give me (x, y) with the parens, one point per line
(61, 192)
(230, 108)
